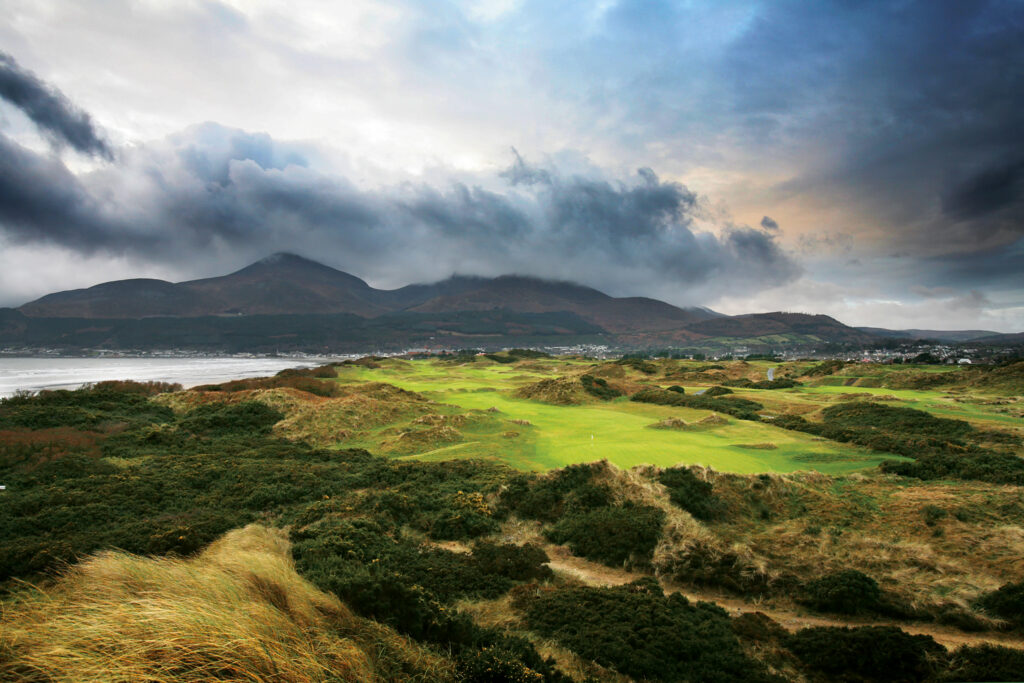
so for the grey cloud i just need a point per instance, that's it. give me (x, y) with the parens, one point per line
(985, 192)
(521, 173)
(932, 292)
(52, 112)
(212, 192)
(769, 224)
(41, 201)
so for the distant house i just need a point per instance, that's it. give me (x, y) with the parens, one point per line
(964, 361)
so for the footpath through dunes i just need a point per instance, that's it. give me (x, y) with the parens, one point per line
(762, 543)
(563, 562)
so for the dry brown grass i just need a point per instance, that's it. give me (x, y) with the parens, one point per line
(781, 530)
(237, 612)
(320, 421)
(562, 391)
(669, 423)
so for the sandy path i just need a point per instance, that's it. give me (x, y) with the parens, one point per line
(594, 574)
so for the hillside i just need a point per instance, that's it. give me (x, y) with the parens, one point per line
(810, 327)
(278, 284)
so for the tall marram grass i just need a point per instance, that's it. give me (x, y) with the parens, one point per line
(236, 612)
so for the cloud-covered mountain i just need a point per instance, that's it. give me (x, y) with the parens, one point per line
(286, 284)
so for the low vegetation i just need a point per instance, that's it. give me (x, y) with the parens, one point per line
(234, 532)
(638, 630)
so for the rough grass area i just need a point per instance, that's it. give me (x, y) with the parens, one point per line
(236, 612)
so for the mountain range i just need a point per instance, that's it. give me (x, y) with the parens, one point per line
(289, 302)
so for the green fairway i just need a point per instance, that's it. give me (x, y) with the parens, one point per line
(617, 431)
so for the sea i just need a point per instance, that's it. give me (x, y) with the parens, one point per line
(36, 374)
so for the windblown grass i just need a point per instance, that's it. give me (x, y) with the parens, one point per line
(237, 612)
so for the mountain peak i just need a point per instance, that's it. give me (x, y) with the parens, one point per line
(286, 258)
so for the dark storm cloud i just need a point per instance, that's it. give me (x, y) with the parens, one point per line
(54, 114)
(988, 191)
(212, 190)
(41, 201)
(889, 101)
(769, 224)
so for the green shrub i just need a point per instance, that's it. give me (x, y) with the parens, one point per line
(781, 383)
(998, 468)
(611, 535)
(545, 498)
(690, 493)
(218, 419)
(86, 408)
(640, 632)
(716, 391)
(985, 663)
(518, 562)
(1006, 602)
(741, 408)
(844, 592)
(867, 653)
(458, 525)
(596, 386)
(638, 364)
(933, 514)
(825, 368)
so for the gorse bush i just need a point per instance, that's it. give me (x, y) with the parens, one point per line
(172, 484)
(639, 631)
(741, 408)
(309, 380)
(613, 535)
(984, 663)
(971, 464)
(545, 498)
(868, 653)
(844, 592)
(638, 364)
(1007, 603)
(596, 386)
(89, 408)
(824, 368)
(382, 574)
(941, 448)
(781, 383)
(519, 563)
(218, 419)
(690, 493)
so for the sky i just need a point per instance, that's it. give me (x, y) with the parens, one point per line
(862, 160)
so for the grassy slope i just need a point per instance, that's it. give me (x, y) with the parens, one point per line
(236, 612)
(617, 431)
